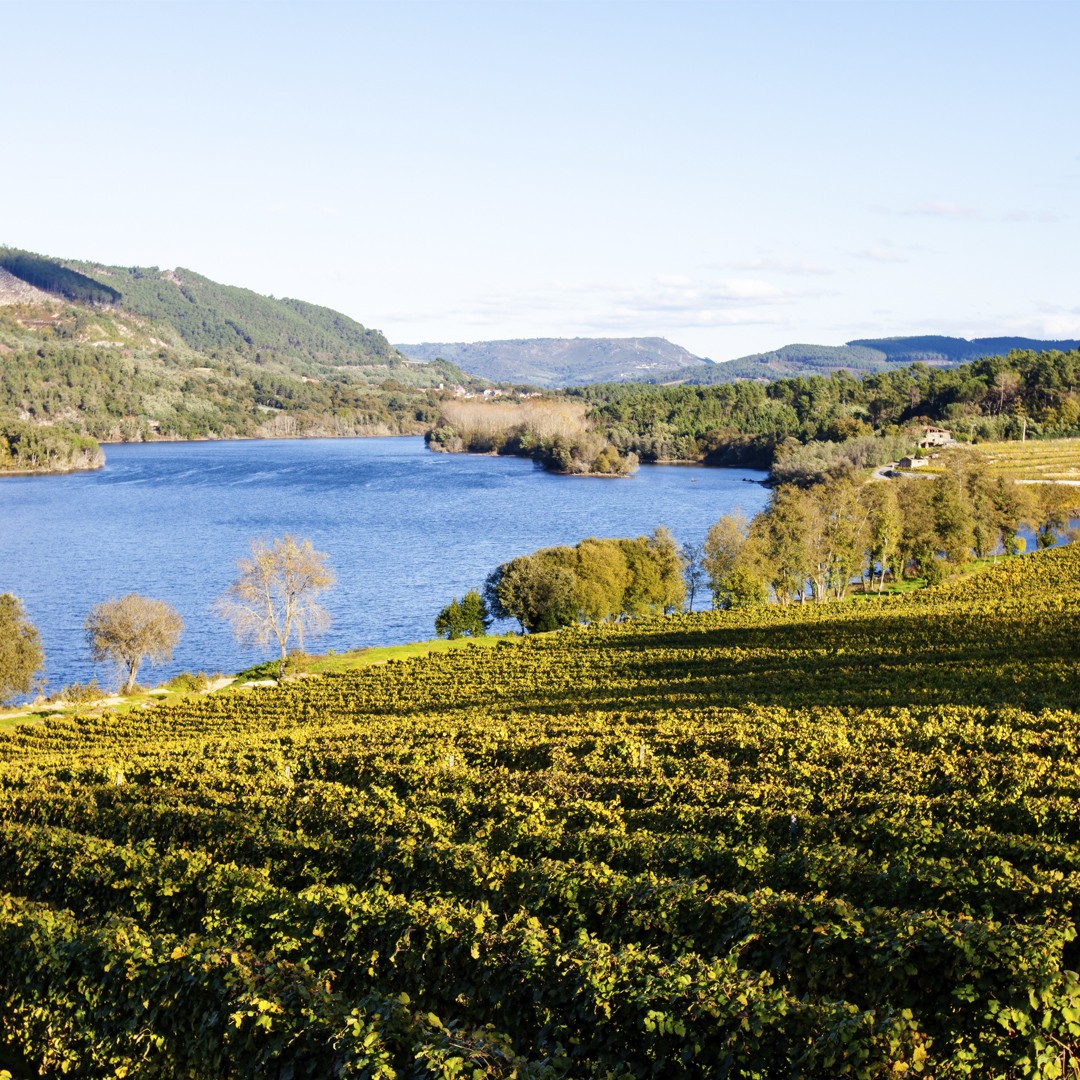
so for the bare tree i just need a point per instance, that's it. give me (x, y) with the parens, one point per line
(274, 595)
(133, 629)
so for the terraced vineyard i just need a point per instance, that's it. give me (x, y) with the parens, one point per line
(1044, 459)
(811, 842)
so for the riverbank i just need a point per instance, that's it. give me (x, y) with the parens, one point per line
(28, 449)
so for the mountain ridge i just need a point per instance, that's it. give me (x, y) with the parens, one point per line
(559, 362)
(555, 363)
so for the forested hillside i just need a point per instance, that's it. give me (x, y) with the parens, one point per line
(814, 840)
(130, 353)
(861, 356)
(1022, 394)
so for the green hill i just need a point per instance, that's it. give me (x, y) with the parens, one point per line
(862, 356)
(122, 353)
(815, 841)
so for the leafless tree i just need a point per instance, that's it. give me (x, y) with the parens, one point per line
(133, 629)
(274, 596)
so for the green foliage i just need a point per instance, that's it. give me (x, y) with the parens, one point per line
(812, 841)
(50, 276)
(188, 683)
(813, 542)
(594, 581)
(857, 421)
(78, 693)
(21, 656)
(26, 447)
(178, 356)
(467, 617)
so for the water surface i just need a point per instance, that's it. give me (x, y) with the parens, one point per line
(405, 530)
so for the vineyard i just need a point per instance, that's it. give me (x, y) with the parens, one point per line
(814, 841)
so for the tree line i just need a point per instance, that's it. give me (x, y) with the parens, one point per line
(110, 394)
(812, 543)
(596, 580)
(1023, 394)
(26, 447)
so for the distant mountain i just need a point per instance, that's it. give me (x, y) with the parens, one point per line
(557, 362)
(564, 362)
(861, 356)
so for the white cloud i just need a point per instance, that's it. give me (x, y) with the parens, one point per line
(1053, 323)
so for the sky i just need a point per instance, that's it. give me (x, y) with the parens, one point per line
(731, 176)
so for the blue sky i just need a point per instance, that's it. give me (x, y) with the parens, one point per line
(733, 177)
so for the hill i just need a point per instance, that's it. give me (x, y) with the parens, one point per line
(573, 362)
(128, 353)
(862, 356)
(810, 841)
(558, 362)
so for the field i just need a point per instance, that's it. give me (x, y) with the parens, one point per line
(787, 842)
(1042, 459)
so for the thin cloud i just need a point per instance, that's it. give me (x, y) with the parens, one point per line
(943, 208)
(784, 266)
(664, 306)
(881, 254)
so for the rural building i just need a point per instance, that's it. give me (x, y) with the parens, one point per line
(912, 462)
(936, 436)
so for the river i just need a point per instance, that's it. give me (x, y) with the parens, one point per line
(405, 530)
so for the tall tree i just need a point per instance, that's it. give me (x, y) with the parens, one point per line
(601, 577)
(723, 548)
(132, 630)
(884, 531)
(782, 537)
(275, 594)
(537, 590)
(694, 574)
(20, 649)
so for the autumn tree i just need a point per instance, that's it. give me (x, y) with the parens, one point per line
(782, 538)
(656, 582)
(883, 532)
(724, 559)
(601, 575)
(132, 630)
(20, 649)
(274, 596)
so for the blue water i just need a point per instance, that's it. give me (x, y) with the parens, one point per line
(405, 530)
